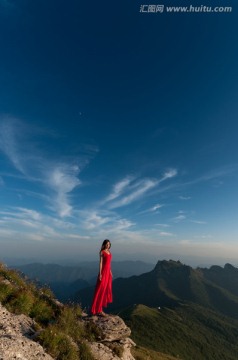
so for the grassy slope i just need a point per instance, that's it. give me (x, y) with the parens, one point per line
(201, 328)
(186, 332)
(141, 353)
(62, 333)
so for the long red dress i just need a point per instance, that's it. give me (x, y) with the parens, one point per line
(103, 290)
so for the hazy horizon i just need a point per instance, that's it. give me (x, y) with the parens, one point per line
(193, 261)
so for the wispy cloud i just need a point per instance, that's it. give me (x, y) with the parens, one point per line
(169, 174)
(11, 142)
(156, 207)
(214, 174)
(78, 237)
(94, 220)
(130, 189)
(199, 222)
(33, 225)
(27, 222)
(184, 197)
(123, 224)
(164, 233)
(59, 176)
(29, 213)
(203, 236)
(62, 180)
(153, 209)
(21, 213)
(105, 221)
(142, 186)
(215, 177)
(163, 225)
(179, 218)
(119, 188)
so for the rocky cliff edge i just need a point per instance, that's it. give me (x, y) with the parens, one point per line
(18, 331)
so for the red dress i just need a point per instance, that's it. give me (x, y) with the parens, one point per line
(103, 291)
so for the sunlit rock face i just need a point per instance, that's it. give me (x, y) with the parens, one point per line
(114, 342)
(16, 332)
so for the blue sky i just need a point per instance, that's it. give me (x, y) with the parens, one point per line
(117, 124)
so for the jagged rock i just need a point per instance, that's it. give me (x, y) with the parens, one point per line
(101, 351)
(120, 350)
(6, 282)
(113, 327)
(15, 334)
(114, 343)
(127, 344)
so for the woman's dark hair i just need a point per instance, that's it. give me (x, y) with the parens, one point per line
(103, 247)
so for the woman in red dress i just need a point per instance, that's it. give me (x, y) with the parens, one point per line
(103, 290)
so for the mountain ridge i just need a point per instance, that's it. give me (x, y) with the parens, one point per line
(171, 283)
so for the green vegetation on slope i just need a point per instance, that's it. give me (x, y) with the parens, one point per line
(61, 333)
(141, 353)
(186, 332)
(199, 316)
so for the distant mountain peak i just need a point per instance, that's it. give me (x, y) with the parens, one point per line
(229, 267)
(169, 264)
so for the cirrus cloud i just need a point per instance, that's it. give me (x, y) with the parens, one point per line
(59, 176)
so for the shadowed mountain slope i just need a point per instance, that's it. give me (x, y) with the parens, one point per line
(170, 283)
(226, 277)
(186, 332)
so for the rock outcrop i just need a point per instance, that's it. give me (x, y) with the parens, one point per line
(18, 331)
(114, 342)
(15, 338)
